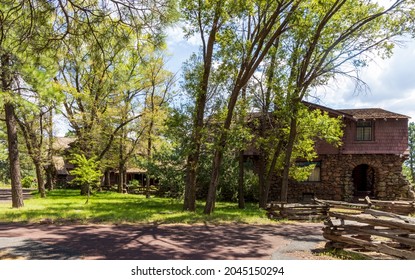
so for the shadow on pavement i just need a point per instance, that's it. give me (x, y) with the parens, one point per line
(154, 242)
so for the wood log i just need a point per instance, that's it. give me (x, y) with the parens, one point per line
(304, 211)
(382, 248)
(377, 213)
(306, 218)
(397, 232)
(332, 203)
(375, 221)
(403, 240)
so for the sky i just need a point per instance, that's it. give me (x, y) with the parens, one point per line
(390, 83)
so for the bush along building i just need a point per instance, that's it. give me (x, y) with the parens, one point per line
(368, 163)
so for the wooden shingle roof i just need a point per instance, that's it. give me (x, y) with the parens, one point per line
(372, 113)
(62, 143)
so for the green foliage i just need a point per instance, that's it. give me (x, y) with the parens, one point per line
(134, 184)
(4, 162)
(406, 171)
(313, 125)
(168, 159)
(343, 254)
(29, 182)
(86, 171)
(167, 166)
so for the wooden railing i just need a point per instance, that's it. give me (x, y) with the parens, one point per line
(297, 211)
(398, 206)
(372, 231)
(359, 227)
(142, 190)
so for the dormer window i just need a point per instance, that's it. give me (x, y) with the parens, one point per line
(364, 131)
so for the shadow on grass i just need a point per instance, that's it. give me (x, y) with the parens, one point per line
(68, 205)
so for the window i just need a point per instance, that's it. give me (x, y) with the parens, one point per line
(315, 173)
(364, 131)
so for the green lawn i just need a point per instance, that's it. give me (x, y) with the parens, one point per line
(105, 207)
(4, 186)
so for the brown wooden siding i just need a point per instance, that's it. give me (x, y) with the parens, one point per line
(390, 136)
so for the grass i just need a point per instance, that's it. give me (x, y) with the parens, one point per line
(4, 185)
(107, 207)
(342, 254)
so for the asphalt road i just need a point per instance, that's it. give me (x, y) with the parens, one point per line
(160, 242)
(155, 242)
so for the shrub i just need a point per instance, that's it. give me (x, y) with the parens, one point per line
(86, 172)
(29, 182)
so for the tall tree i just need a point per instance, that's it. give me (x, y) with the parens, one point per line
(37, 96)
(40, 25)
(103, 76)
(23, 27)
(266, 22)
(320, 38)
(237, 35)
(155, 110)
(205, 18)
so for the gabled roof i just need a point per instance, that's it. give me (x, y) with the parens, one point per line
(372, 113)
(328, 110)
(62, 143)
(354, 114)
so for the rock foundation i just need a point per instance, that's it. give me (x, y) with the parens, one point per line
(337, 179)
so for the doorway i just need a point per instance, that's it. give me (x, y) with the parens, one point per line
(363, 180)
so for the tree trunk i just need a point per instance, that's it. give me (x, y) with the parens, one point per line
(86, 190)
(198, 121)
(148, 185)
(262, 178)
(211, 198)
(50, 176)
(17, 192)
(241, 180)
(40, 179)
(269, 174)
(217, 160)
(121, 179)
(190, 188)
(13, 147)
(149, 147)
(121, 163)
(107, 179)
(287, 160)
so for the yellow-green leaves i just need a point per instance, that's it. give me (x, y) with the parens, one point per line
(86, 171)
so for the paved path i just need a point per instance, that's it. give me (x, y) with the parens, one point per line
(152, 242)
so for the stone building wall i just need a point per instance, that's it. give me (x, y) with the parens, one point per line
(337, 179)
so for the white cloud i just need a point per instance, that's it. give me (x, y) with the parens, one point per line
(179, 47)
(391, 85)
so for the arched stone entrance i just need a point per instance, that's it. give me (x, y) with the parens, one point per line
(363, 180)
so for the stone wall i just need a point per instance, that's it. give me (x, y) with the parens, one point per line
(337, 179)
